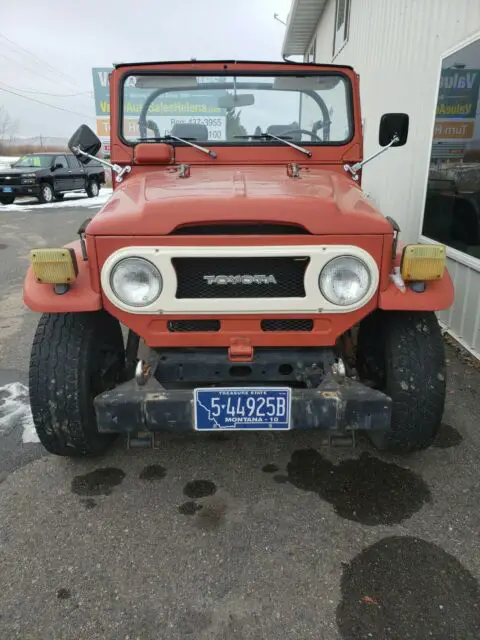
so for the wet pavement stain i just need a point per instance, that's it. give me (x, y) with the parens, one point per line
(199, 488)
(189, 508)
(447, 437)
(270, 468)
(153, 472)
(88, 503)
(365, 490)
(97, 483)
(218, 437)
(212, 514)
(404, 588)
(63, 594)
(3, 246)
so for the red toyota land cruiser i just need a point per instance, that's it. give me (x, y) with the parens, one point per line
(260, 288)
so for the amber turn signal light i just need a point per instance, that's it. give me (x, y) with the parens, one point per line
(54, 266)
(423, 262)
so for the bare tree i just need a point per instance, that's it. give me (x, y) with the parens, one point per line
(8, 128)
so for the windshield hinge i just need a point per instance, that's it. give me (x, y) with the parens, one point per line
(293, 170)
(184, 171)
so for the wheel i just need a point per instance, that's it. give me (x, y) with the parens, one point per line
(59, 196)
(92, 188)
(403, 355)
(7, 199)
(75, 356)
(46, 193)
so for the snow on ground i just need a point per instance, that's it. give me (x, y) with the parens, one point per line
(6, 161)
(15, 409)
(71, 199)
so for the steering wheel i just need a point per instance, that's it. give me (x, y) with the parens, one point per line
(312, 134)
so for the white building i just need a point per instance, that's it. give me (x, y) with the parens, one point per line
(421, 57)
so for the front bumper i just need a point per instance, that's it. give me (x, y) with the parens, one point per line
(19, 190)
(337, 407)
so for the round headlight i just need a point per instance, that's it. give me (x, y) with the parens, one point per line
(136, 282)
(344, 280)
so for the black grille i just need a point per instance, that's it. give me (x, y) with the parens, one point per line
(287, 325)
(184, 326)
(11, 180)
(240, 228)
(278, 277)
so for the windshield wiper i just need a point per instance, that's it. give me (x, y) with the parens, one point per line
(262, 136)
(188, 141)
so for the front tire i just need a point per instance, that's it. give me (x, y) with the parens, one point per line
(7, 199)
(46, 193)
(92, 188)
(75, 356)
(403, 355)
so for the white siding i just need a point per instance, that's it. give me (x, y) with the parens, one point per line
(396, 46)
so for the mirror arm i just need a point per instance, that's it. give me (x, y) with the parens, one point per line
(117, 169)
(355, 168)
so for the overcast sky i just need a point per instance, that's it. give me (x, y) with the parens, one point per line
(69, 38)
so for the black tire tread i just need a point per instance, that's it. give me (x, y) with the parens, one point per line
(60, 397)
(414, 377)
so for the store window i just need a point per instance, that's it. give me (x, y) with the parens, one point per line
(342, 17)
(452, 207)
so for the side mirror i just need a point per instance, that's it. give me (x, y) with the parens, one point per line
(86, 140)
(391, 125)
(57, 166)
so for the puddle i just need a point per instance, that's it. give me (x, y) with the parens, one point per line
(447, 437)
(189, 508)
(364, 489)
(153, 472)
(270, 468)
(405, 587)
(212, 514)
(88, 503)
(199, 488)
(97, 483)
(63, 594)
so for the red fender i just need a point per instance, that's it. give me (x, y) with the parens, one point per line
(80, 296)
(438, 294)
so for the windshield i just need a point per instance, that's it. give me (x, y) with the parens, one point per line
(42, 161)
(312, 109)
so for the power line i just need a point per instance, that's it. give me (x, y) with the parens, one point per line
(46, 104)
(46, 93)
(30, 70)
(56, 70)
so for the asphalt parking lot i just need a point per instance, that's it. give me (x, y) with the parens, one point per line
(235, 537)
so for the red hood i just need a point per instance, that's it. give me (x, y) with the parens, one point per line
(155, 203)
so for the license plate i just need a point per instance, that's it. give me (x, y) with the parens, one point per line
(7, 189)
(242, 408)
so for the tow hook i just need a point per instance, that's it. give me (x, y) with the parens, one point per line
(143, 371)
(338, 370)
